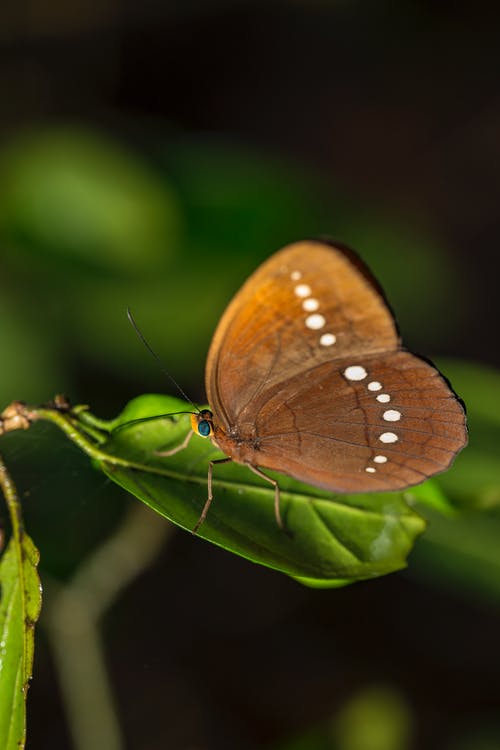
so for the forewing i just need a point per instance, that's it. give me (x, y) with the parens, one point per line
(308, 304)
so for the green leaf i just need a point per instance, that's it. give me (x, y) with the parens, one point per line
(20, 604)
(430, 495)
(329, 539)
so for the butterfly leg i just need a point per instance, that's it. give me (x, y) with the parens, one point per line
(204, 512)
(177, 448)
(276, 486)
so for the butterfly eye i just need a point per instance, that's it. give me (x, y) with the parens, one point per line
(204, 428)
(202, 424)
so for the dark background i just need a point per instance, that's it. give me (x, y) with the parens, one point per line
(208, 135)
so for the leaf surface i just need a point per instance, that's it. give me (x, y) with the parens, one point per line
(20, 604)
(329, 539)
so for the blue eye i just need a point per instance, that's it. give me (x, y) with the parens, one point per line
(204, 428)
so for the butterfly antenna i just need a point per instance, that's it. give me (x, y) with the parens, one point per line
(157, 358)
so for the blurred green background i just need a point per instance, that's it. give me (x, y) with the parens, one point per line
(151, 156)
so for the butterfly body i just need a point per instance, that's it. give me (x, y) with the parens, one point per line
(306, 376)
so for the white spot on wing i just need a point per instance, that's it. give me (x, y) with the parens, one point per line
(303, 290)
(388, 437)
(328, 339)
(295, 275)
(380, 459)
(391, 415)
(355, 372)
(310, 304)
(315, 322)
(370, 470)
(384, 398)
(374, 386)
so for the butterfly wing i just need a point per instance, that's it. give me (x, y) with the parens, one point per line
(388, 430)
(309, 303)
(305, 375)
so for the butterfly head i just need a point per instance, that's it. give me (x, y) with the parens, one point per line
(202, 423)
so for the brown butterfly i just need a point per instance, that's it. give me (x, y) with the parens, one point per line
(306, 376)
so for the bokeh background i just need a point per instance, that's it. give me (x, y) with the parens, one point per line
(151, 155)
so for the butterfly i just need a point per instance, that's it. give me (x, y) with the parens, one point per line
(306, 376)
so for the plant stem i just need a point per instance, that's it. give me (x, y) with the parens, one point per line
(72, 618)
(13, 504)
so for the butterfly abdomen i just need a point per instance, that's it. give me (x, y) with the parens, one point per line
(242, 449)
